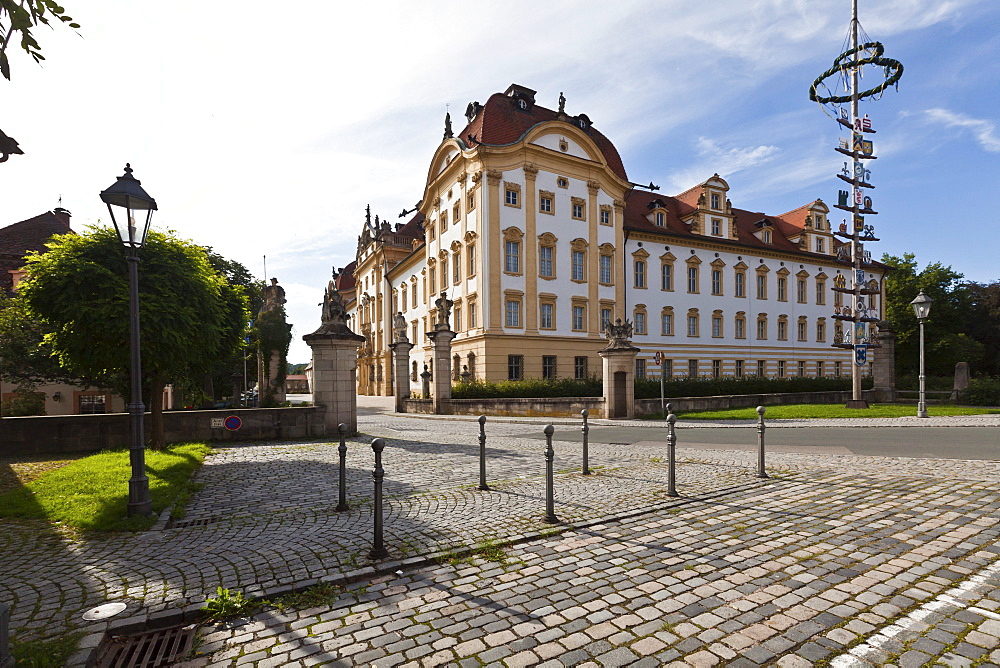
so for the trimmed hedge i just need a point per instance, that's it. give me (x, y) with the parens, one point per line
(982, 392)
(647, 389)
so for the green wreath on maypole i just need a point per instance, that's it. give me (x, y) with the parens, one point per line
(893, 71)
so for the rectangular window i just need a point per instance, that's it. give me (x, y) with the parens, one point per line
(716, 227)
(820, 330)
(668, 368)
(802, 369)
(456, 212)
(548, 367)
(781, 368)
(512, 257)
(545, 317)
(578, 210)
(458, 318)
(640, 368)
(716, 201)
(640, 273)
(472, 315)
(667, 324)
(820, 245)
(605, 318)
(472, 260)
(579, 367)
(741, 284)
(513, 313)
(444, 274)
(820, 292)
(716, 326)
(640, 323)
(456, 265)
(545, 262)
(692, 325)
(802, 331)
(692, 368)
(92, 404)
(761, 286)
(545, 204)
(716, 368)
(605, 217)
(716, 281)
(761, 368)
(782, 289)
(782, 330)
(836, 369)
(667, 277)
(606, 273)
(693, 279)
(819, 369)
(471, 203)
(801, 291)
(739, 368)
(515, 367)
(761, 329)
(578, 265)
(510, 198)
(741, 328)
(432, 279)
(413, 295)
(578, 318)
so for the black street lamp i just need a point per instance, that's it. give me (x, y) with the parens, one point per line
(922, 308)
(129, 195)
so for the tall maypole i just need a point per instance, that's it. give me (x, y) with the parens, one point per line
(849, 69)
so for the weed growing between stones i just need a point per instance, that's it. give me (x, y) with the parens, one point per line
(227, 604)
(47, 653)
(322, 595)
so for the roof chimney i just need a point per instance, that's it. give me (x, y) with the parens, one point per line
(62, 215)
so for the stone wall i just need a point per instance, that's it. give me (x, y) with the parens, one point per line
(543, 407)
(51, 434)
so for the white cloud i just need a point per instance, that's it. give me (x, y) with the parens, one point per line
(714, 158)
(984, 131)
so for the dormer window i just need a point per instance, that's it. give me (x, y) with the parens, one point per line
(716, 227)
(659, 218)
(716, 201)
(766, 236)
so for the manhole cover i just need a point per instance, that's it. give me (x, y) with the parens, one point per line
(148, 650)
(104, 611)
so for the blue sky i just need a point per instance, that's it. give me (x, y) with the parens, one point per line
(267, 133)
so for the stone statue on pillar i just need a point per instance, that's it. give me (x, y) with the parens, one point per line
(270, 358)
(441, 338)
(335, 363)
(619, 370)
(401, 347)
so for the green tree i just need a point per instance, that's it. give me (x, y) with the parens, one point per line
(21, 17)
(984, 323)
(946, 338)
(189, 314)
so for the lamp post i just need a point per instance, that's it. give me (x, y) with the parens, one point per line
(922, 307)
(127, 194)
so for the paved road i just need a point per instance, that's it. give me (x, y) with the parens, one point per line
(933, 442)
(737, 569)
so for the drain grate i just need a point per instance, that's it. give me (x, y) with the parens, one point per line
(180, 524)
(148, 650)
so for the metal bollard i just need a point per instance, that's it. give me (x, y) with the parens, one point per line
(586, 439)
(550, 502)
(6, 660)
(671, 451)
(761, 473)
(342, 505)
(378, 548)
(482, 454)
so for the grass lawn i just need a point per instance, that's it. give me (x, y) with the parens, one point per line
(807, 411)
(91, 493)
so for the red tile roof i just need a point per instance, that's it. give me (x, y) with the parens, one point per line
(499, 123)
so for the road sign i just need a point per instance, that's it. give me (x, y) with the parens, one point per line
(217, 423)
(233, 422)
(658, 357)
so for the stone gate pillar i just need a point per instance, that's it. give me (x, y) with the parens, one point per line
(401, 347)
(270, 377)
(884, 366)
(619, 371)
(335, 364)
(441, 338)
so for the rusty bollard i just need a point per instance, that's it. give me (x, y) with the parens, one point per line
(342, 450)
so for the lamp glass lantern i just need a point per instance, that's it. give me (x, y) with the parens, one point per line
(922, 305)
(127, 193)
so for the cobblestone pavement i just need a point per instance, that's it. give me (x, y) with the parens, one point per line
(885, 557)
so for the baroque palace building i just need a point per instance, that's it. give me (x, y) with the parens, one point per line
(530, 225)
